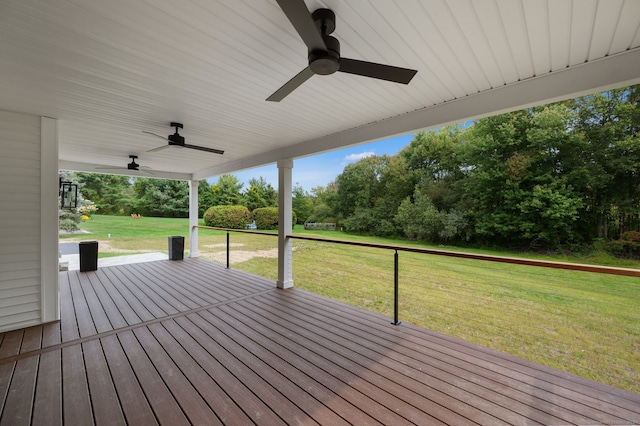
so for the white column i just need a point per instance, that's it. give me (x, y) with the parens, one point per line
(285, 225)
(193, 218)
(49, 302)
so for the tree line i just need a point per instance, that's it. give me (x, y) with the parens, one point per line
(555, 176)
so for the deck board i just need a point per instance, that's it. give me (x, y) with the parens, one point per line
(191, 342)
(47, 405)
(76, 404)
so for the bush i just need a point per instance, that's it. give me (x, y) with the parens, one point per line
(628, 246)
(266, 217)
(232, 217)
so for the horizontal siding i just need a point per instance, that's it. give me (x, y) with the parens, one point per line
(22, 320)
(17, 302)
(20, 287)
(20, 275)
(24, 265)
(19, 257)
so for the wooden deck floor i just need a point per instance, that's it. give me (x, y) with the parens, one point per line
(180, 342)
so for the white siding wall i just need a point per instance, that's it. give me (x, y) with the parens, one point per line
(20, 221)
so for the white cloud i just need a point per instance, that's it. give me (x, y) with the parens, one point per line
(352, 158)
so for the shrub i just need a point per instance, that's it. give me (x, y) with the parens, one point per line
(627, 246)
(267, 217)
(232, 217)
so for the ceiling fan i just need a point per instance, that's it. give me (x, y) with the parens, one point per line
(133, 166)
(324, 50)
(178, 140)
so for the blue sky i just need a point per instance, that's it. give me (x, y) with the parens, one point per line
(319, 170)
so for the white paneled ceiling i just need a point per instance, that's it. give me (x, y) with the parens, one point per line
(110, 69)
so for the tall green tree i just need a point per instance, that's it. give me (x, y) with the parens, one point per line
(302, 203)
(260, 194)
(359, 189)
(516, 181)
(113, 195)
(205, 197)
(609, 124)
(227, 191)
(434, 164)
(161, 197)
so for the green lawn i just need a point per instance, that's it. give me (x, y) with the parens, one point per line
(584, 323)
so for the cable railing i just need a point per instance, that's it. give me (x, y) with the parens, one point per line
(580, 318)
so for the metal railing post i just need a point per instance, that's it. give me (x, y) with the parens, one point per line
(227, 249)
(395, 289)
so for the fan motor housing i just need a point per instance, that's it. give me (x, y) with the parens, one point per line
(326, 62)
(176, 139)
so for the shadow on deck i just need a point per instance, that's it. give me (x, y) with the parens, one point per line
(179, 342)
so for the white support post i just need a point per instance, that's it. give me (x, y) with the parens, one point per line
(285, 225)
(193, 218)
(49, 299)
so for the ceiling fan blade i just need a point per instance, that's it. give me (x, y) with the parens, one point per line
(291, 85)
(160, 148)
(125, 170)
(379, 71)
(164, 138)
(300, 18)
(203, 148)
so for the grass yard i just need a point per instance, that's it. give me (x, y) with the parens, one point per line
(584, 323)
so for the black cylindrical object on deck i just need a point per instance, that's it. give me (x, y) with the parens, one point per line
(88, 255)
(176, 248)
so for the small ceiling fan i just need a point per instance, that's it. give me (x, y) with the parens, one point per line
(324, 50)
(178, 140)
(133, 166)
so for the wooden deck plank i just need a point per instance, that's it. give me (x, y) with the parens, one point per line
(417, 409)
(408, 384)
(143, 311)
(32, 339)
(135, 405)
(51, 334)
(304, 393)
(247, 353)
(125, 309)
(109, 307)
(100, 319)
(233, 282)
(175, 285)
(202, 282)
(86, 326)
(104, 400)
(252, 406)
(302, 360)
(161, 400)
(47, 405)
(11, 343)
(191, 402)
(275, 401)
(130, 284)
(19, 401)
(479, 361)
(440, 376)
(164, 296)
(68, 322)
(225, 409)
(76, 405)
(172, 293)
